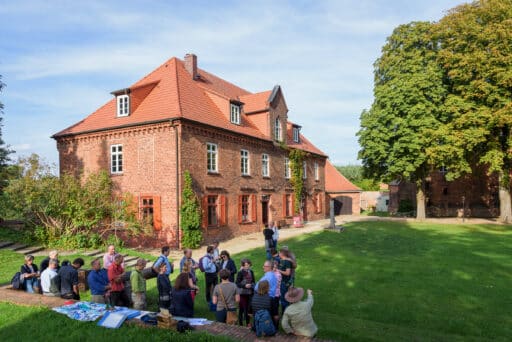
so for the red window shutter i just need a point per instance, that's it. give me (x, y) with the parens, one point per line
(205, 211)
(222, 210)
(157, 213)
(284, 205)
(253, 208)
(292, 209)
(240, 209)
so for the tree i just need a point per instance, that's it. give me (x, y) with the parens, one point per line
(190, 215)
(5, 151)
(475, 43)
(354, 173)
(408, 98)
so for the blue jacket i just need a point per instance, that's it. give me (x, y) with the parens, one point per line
(182, 303)
(97, 281)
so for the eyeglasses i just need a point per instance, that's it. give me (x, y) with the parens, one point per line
(267, 266)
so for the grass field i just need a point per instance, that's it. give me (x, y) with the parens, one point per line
(391, 281)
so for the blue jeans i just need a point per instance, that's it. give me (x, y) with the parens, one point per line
(30, 283)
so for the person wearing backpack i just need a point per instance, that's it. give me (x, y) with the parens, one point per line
(261, 305)
(207, 265)
(164, 258)
(30, 275)
(297, 318)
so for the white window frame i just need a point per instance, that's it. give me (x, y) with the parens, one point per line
(287, 168)
(317, 173)
(123, 105)
(278, 130)
(212, 157)
(234, 115)
(296, 134)
(265, 165)
(116, 159)
(304, 169)
(245, 169)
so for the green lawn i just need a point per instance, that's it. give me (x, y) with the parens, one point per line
(390, 281)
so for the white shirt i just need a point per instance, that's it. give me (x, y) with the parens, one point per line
(276, 233)
(46, 278)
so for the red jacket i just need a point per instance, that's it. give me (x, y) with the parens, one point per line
(115, 271)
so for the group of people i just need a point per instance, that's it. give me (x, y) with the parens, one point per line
(239, 290)
(227, 288)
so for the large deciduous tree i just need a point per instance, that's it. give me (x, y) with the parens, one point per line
(5, 171)
(475, 43)
(408, 98)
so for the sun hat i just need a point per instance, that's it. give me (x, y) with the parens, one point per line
(294, 295)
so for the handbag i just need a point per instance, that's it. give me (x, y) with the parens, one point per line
(231, 316)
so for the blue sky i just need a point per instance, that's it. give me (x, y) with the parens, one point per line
(61, 59)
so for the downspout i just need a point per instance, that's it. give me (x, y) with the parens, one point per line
(176, 140)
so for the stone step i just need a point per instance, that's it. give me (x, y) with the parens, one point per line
(94, 253)
(5, 244)
(130, 258)
(30, 250)
(17, 246)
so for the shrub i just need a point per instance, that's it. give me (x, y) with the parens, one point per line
(405, 206)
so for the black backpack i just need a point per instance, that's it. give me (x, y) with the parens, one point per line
(183, 326)
(16, 282)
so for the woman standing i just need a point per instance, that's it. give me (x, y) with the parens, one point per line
(30, 275)
(192, 279)
(228, 264)
(164, 287)
(182, 302)
(225, 296)
(245, 283)
(285, 268)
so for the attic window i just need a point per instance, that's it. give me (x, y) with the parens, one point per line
(123, 105)
(235, 113)
(278, 130)
(296, 134)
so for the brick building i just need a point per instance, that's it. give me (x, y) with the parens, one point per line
(476, 193)
(233, 142)
(346, 196)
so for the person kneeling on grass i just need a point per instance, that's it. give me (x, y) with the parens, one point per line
(138, 283)
(69, 279)
(98, 282)
(50, 281)
(225, 296)
(182, 303)
(297, 318)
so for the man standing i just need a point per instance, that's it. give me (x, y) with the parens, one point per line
(275, 236)
(138, 283)
(115, 276)
(269, 240)
(69, 280)
(47, 277)
(108, 258)
(187, 256)
(272, 281)
(210, 273)
(164, 258)
(98, 282)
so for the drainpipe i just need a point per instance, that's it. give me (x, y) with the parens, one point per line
(176, 140)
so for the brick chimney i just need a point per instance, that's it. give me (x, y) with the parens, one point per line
(191, 64)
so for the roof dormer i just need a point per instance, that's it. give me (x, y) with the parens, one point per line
(123, 102)
(296, 133)
(235, 112)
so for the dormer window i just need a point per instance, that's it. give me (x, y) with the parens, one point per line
(296, 134)
(235, 114)
(123, 105)
(278, 130)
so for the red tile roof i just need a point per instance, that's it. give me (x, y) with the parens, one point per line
(170, 92)
(303, 144)
(256, 102)
(335, 182)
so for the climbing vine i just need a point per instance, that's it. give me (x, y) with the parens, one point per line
(297, 176)
(190, 212)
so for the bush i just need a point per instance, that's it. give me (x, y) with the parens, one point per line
(405, 206)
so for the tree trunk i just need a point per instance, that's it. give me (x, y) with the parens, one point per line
(420, 200)
(505, 202)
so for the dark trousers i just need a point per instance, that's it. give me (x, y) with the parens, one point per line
(211, 281)
(222, 315)
(119, 298)
(243, 310)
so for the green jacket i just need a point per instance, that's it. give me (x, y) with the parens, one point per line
(137, 281)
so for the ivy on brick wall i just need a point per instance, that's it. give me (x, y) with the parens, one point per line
(297, 177)
(190, 215)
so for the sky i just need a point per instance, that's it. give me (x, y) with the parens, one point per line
(60, 60)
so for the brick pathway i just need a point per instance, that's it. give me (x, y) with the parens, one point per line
(237, 333)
